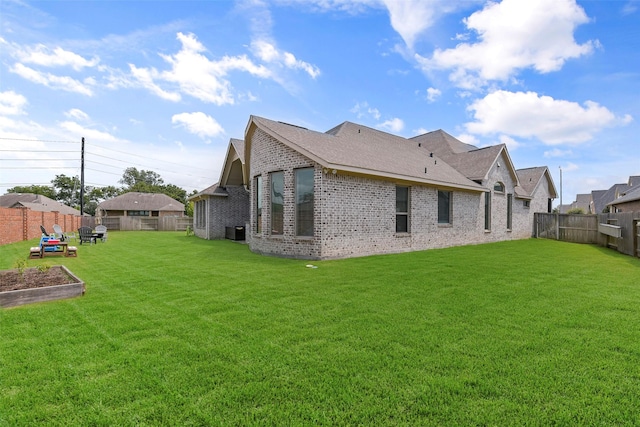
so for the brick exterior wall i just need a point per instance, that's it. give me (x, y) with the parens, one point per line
(221, 212)
(18, 224)
(269, 155)
(356, 216)
(628, 207)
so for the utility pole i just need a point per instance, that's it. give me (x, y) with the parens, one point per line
(82, 179)
(560, 188)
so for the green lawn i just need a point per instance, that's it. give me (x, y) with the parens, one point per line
(175, 330)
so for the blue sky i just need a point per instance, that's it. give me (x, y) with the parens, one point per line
(163, 85)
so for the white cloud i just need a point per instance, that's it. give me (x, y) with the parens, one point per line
(12, 103)
(411, 17)
(78, 131)
(144, 78)
(42, 55)
(196, 75)
(362, 109)
(529, 115)
(511, 143)
(394, 125)
(77, 114)
(630, 7)
(468, 139)
(198, 124)
(268, 52)
(513, 35)
(556, 152)
(54, 82)
(569, 167)
(433, 94)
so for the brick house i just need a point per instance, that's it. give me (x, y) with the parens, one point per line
(140, 205)
(226, 203)
(628, 202)
(355, 191)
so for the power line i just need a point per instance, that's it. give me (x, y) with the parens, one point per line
(38, 140)
(37, 160)
(40, 167)
(40, 151)
(143, 157)
(96, 145)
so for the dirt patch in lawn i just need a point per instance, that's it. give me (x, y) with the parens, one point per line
(12, 280)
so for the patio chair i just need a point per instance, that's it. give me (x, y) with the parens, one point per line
(64, 237)
(101, 230)
(57, 231)
(86, 235)
(44, 230)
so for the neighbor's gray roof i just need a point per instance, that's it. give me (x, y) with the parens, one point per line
(213, 190)
(631, 196)
(597, 197)
(612, 194)
(359, 149)
(634, 180)
(36, 202)
(142, 202)
(583, 201)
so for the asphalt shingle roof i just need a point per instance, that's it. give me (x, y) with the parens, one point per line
(213, 190)
(36, 202)
(142, 202)
(631, 196)
(359, 149)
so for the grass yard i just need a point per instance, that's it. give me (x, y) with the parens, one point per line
(175, 330)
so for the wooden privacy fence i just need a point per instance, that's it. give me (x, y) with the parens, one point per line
(620, 231)
(133, 223)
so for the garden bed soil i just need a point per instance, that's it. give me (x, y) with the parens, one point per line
(34, 285)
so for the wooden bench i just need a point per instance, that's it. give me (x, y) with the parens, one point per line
(72, 251)
(34, 252)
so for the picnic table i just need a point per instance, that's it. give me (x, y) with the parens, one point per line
(49, 247)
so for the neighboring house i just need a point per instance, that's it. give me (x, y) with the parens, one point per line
(140, 205)
(35, 202)
(356, 191)
(627, 199)
(226, 203)
(630, 202)
(583, 202)
(597, 205)
(602, 200)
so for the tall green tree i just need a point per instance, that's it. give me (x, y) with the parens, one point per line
(135, 179)
(43, 190)
(67, 189)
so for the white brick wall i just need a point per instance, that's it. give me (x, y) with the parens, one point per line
(355, 215)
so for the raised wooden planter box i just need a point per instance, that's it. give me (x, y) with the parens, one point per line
(46, 293)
